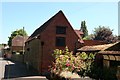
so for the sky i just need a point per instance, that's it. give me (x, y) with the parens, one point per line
(31, 15)
(119, 18)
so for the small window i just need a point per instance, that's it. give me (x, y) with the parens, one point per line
(60, 41)
(21, 52)
(60, 30)
(13, 52)
(28, 49)
(42, 43)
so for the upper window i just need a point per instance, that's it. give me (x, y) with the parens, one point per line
(60, 30)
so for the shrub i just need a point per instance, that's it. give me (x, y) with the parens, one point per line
(102, 73)
(65, 61)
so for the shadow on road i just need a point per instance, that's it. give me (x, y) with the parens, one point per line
(18, 69)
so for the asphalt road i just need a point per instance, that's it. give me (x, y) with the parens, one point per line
(17, 71)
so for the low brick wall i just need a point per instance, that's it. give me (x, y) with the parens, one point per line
(17, 57)
(33, 54)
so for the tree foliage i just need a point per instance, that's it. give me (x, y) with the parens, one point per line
(20, 32)
(84, 29)
(104, 33)
(89, 37)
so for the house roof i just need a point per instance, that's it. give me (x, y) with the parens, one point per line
(19, 40)
(110, 52)
(115, 47)
(79, 33)
(94, 42)
(37, 32)
(96, 47)
(114, 50)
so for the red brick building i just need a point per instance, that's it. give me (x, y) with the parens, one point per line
(56, 33)
(17, 47)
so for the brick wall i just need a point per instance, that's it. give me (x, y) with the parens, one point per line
(33, 54)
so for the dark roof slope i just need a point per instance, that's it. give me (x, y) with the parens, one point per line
(38, 31)
(42, 27)
(105, 47)
(93, 42)
(110, 52)
(115, 47)
(96, 47)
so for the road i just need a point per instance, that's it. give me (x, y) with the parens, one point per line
(17, 71)
(4, 70)
(10, 70)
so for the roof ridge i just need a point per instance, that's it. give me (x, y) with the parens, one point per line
(43, 26)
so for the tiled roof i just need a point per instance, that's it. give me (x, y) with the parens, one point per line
(94, 42)
(96, 47)
(110, 52)
(115, 47)
(79, 33)
(18, 40)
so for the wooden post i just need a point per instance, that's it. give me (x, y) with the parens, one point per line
(106, 63)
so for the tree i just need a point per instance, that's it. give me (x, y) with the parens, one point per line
(89, 37)
(105, 34)
(84, 29)
(20, 32)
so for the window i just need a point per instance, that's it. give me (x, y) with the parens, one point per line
(28, 49)
(60, 41)
(21, 52)
(13, 52)
(60, 30)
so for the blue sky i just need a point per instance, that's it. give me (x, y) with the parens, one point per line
(31, 15)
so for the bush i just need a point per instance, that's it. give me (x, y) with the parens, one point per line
(66, 65)
(65, 61)
(102, 73)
